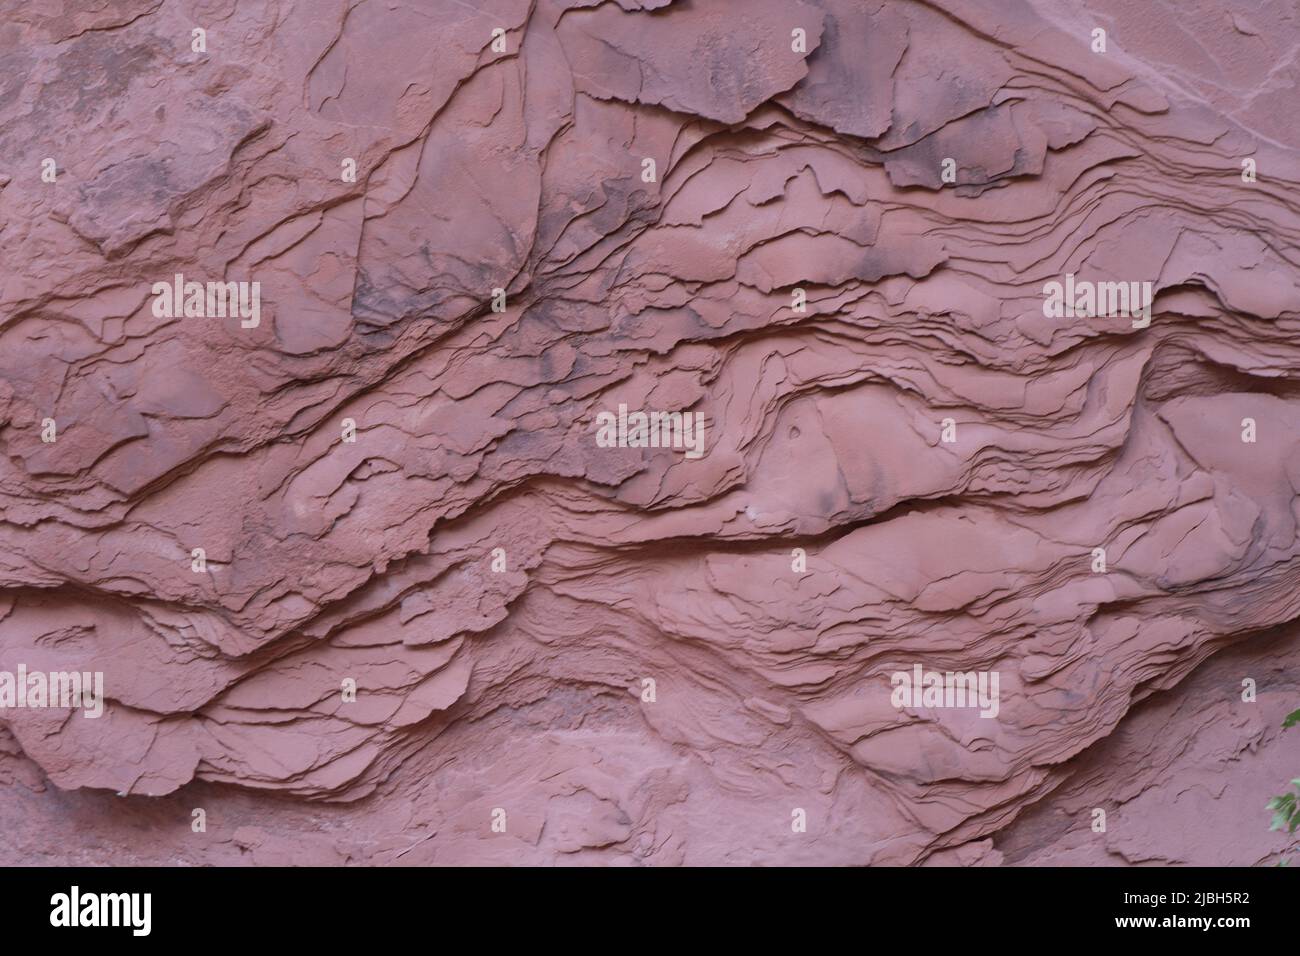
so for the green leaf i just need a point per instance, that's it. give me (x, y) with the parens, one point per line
(1286, 813)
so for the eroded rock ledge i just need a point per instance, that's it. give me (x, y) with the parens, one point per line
(741, 211)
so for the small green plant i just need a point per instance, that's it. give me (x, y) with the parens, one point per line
(1286, 809)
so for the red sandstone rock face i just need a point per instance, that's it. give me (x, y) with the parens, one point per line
(912, 469)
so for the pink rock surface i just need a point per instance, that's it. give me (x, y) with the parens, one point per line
(498, 585)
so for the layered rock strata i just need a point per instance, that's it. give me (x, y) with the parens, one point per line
(383, 569)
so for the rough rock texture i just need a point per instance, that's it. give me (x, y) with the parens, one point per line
(514, 680)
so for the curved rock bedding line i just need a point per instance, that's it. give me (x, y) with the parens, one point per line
(831, 431)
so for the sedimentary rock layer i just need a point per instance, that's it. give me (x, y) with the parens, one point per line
(379, 566)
